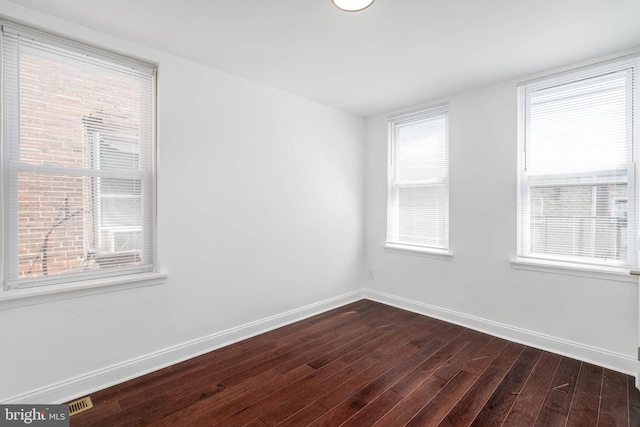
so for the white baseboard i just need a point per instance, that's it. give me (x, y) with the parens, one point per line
(597, 356)
(88, 383)
(83, 385)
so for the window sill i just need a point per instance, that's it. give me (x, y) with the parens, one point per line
(604, 273)
(22, 297)
(428, 253)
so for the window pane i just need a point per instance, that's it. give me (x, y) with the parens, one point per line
(580, 221)
(57, 99)
(120, 211)
(118, 152)
(53, 224)
(422, 215)
(580, 126)
(421, 149)
(417, 205)
(115, 186)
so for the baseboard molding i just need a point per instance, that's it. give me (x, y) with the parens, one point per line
(88, 383)
(83, 385)
(597, 356)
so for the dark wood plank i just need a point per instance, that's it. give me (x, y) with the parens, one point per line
(436, 409)
(245, 361)
(358, 363)
(373, 412)
(351, 406)
(634, 402)
(148, 382)
(152, 385)
(379, 403)
(431, 382)
(556, 405)
(202, 413)
(132, 414)
(419, 339)
(396, 339)
(586, 400)
(207, 394)
(256, 423)
(229, 403)
(368, 364)
(614, 404)
(499, 405)
(283, 358)
(318, 408)
(529, 402)
(299, 331)
(488, 379)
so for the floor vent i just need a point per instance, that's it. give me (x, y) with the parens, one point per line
(80, 405)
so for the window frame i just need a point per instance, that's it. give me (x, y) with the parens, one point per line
(393, 243)
(12, 295)
(581, 266)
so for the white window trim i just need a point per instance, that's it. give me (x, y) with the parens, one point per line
(42, 294)
(539, 264)
(425, 251)
(20, 297)
(416, 251)
(571, 269)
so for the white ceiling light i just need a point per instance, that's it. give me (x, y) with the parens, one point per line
(352, 5)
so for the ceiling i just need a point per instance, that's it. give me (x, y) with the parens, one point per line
(395, 54)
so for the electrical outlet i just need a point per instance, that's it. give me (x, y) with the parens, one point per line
(371, 275)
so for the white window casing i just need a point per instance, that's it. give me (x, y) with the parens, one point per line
(577, 180)
(78, 162)
(418, 182)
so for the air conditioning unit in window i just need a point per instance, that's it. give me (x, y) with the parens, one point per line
(119, 240)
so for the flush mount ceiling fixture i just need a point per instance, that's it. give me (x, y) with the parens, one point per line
(352, 5)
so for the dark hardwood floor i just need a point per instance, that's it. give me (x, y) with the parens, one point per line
(368, 364)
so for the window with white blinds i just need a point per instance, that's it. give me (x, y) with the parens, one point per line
(577, 177)
(78, 161)
(418, 181)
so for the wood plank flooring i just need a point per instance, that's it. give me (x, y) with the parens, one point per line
(368, 364)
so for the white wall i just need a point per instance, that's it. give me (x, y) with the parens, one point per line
(260, 214)
(587, 318)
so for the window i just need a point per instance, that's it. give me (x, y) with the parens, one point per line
(577, 184)
(418, 193)
(78, 161)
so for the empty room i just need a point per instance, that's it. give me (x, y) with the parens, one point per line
(320, 212)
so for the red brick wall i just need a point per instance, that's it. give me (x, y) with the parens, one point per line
(57, 101)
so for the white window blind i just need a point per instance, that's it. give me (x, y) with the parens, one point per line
(78, 161)
(418, 190)
(577, 181)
